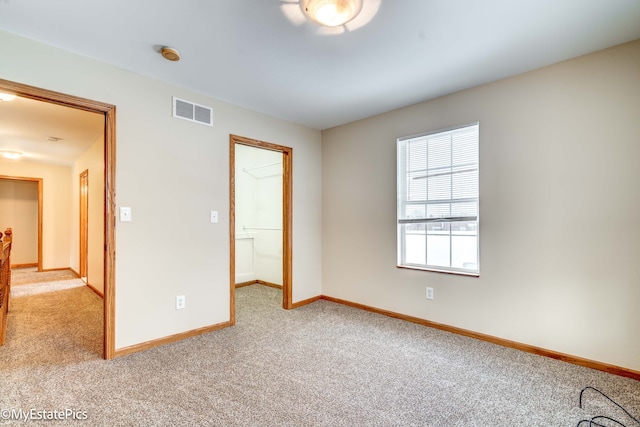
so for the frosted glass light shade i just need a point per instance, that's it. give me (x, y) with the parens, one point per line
(10, 154)
(331, 13)
(7, 97)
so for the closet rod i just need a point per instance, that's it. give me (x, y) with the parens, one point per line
(261, 166)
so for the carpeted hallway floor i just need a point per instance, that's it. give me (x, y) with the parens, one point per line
(321, 365)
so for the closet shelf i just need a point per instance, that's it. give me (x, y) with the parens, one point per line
(261, 166)
(244, 227)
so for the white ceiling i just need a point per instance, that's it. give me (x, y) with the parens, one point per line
(263, 54)
(27, 126)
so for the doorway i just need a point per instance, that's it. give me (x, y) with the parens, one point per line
(23, 213)
(283, 163)
(109, 112)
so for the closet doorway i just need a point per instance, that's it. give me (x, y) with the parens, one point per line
(260, 216)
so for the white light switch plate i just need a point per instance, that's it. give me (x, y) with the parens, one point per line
(214, 217)
(181, 302)
(125, 214)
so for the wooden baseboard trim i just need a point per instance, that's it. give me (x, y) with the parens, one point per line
(258, 282)
(89, 285)
(269, 284)
(46, 270)
(243, 284)
(166, 340)
(24, 265)
(600, 366)
(95, 290)
(305, 302)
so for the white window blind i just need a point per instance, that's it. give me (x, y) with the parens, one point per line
(438, 200)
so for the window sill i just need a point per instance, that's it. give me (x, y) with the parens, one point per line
(435, 270)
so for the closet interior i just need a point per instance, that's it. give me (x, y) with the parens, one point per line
(258, 210)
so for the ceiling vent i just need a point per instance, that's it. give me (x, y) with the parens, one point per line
(193, 112)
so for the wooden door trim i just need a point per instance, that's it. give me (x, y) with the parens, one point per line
(287, 213)
(39, 181)
(109, 112)
(84, 225)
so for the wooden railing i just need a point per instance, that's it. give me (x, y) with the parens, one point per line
(5, 281)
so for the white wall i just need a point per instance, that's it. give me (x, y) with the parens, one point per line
(258, 207)
(56, 206)
(173, 173)
(559, 241)
(93, 161)
(19, 211)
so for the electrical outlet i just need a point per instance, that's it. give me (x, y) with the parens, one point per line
(429, 293)
(181, 302)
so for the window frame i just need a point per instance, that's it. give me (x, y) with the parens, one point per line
(402, 202)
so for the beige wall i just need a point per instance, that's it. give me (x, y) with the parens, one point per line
(172, 173)
(93, 161)
(559, 241)
(19, 211)
(56, 204)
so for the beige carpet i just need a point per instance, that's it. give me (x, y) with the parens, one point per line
(54, 320)
(31, 275)
(29, 281)
(321, 365)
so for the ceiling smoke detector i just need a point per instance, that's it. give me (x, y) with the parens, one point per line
(170, 53)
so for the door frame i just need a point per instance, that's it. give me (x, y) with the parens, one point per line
(287, 212)
(39, 181)
(109, 112)
(84, 225)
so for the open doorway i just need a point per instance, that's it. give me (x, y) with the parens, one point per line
(108, 250)
(21, 207)
(272, 232)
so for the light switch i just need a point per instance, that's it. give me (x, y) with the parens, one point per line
(125, 214)
(214, 217)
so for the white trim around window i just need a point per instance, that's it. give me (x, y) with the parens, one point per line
(438, 200)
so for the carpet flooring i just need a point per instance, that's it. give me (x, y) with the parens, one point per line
(320, 365)
(31, 275)
(29, 281)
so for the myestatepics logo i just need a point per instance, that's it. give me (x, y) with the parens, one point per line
(42, 415)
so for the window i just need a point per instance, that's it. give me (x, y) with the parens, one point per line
(438, 200)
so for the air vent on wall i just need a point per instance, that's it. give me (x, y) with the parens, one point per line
(193, 112)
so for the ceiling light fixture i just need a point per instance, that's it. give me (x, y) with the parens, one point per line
(7, 97)
(10, 154)
(170, 53)
(331, 13)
